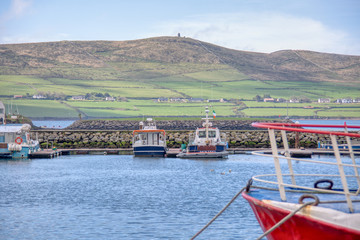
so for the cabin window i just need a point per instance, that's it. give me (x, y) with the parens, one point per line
(212, 134)
(202, 134)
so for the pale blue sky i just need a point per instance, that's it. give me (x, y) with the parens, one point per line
(259, 25)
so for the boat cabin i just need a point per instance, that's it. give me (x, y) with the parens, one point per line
(148, 140)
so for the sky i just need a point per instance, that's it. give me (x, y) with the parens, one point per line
(331, 26)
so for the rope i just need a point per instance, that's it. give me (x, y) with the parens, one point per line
(284, 220)
(217, 215)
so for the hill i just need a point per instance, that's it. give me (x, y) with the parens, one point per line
(168, 67)
(126, 59)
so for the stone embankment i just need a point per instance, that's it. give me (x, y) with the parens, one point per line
(164, 124)
(118, 134)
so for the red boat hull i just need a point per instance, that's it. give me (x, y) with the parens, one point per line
(297, 227)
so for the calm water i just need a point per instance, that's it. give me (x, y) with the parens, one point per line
(122, 197)
(53, 124)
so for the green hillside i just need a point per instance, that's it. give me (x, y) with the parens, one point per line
(167, 67)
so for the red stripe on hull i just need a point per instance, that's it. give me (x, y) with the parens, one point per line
(299, 227)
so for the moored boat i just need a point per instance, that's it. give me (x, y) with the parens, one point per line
(299, 205)
(15, 141)
(206, 142)
(148, 141)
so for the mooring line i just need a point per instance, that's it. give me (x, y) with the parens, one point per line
(217, 215)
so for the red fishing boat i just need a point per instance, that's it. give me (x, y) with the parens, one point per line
(291, 204)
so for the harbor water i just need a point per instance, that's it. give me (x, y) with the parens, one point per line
(60, 124)
(123, 197)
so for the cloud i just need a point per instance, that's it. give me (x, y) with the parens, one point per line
(18, 8)
(260, 32)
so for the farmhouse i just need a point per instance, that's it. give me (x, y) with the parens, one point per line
(81, 97)
(163, 100)
(196, 100)
(344, 100)
(39, 96)
(324, 100)
(176, 100)
(109, 99)
(294, 100)
(269, 100)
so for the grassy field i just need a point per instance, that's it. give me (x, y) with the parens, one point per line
(223, 82)
(148, 108)
(139, 108)
(42, 108)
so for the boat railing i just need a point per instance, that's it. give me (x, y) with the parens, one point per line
(289, 180)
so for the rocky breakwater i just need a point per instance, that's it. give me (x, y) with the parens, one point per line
(91, 138)
(167, 125)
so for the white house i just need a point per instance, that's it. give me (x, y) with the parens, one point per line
(109, 99)
(38, 96)
(324, 100)
(269, 100)
(81, 97)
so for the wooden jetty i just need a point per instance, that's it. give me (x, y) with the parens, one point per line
(97, 151)
(45, 153)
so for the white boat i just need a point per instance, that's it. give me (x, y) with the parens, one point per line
(148, 141)
(15, 141)
(206, 142)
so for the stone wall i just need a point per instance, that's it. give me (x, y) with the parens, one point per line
(167, 125)
(73, 139)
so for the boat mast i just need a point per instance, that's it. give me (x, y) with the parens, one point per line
(207, 123)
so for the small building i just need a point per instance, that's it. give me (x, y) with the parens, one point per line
(324, 100)
(39, 96)
(80, 97)
(294, 100)
(196, 99)
(213, 100)
(18, 96)
(176, 100)
(346, 100)
(2, 113)
(163, 100)
(269, 100)
(110, 99)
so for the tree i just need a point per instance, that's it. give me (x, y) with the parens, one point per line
(258, 98)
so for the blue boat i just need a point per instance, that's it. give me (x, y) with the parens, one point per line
(15, 141)
(148, 141)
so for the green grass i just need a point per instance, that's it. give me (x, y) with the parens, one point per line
(148, 80)
(40, 108)
(278, 111)
(148, 108)
(139, 108)
(218, 75)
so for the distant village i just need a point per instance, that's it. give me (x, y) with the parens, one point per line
(107, 97)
